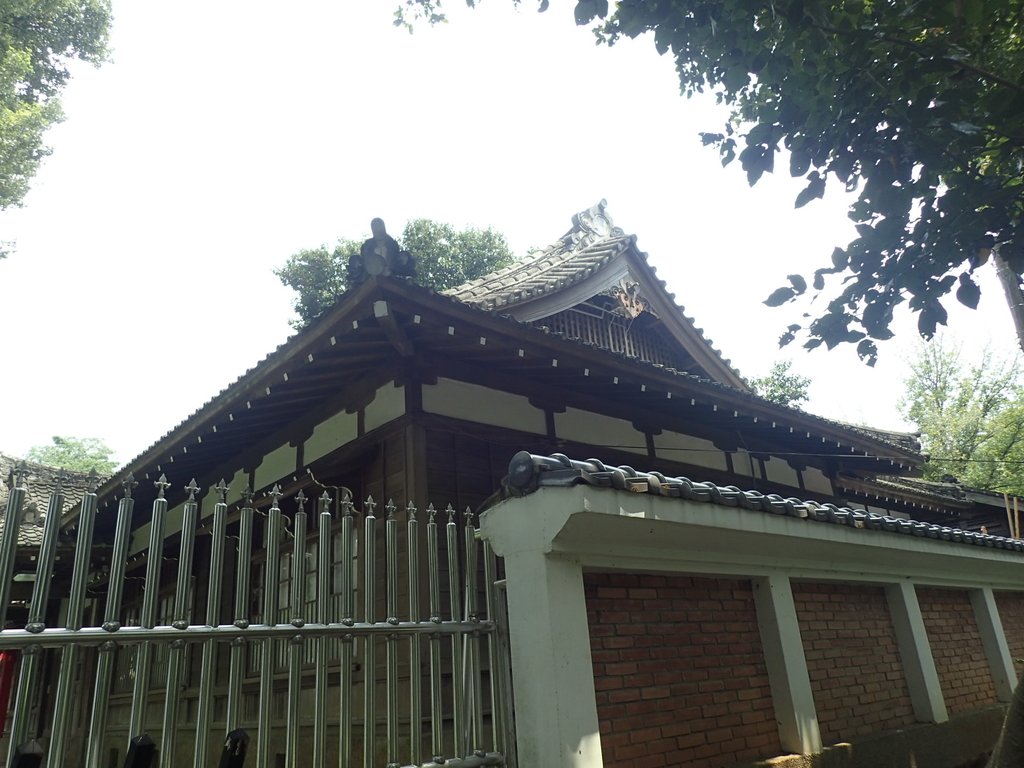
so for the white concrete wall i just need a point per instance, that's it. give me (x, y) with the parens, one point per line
(471, 402)
(600, 430)
(549, 537)
(687, 449)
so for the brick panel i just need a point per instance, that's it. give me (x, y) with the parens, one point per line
(679, 671)
(1011, 614)
(956, 647)
(853, 660)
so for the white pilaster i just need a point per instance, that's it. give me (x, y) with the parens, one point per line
(993, 640)
(787, 665)
(549, 637)
(916, 654)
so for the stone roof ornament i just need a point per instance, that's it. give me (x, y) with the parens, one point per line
(592, 224)
(380, 255)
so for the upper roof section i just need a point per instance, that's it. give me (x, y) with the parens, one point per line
(41, 483)
(595, 285)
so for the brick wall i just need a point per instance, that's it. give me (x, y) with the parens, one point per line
(1011, 614)
(853, 660)
(956, 647)
(679, 671)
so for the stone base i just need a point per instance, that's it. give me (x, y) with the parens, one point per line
(961, 741)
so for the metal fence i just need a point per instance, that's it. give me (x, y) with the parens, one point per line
(341, 638)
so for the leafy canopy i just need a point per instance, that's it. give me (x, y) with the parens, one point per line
(781, 386)
(78, 454)
(917, 106)
(445, 257)
(971, 417)
(38, 39)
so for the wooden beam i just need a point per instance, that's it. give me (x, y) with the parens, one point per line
(396, 335)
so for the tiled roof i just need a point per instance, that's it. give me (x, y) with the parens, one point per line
(40, 481)
(949, 491)
(569, 260)
(527, 473)
(540, 273)
(591, 244)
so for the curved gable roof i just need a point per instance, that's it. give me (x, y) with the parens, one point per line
(594, 256)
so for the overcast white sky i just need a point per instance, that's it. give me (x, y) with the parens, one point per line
(225, 135)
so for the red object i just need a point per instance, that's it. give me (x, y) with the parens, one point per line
(8, 662)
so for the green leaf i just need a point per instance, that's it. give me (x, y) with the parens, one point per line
(799, 284)
(968, 293)
(799, 162)
(780, 296)
(587, 10)
(867, 351)
(814, 189)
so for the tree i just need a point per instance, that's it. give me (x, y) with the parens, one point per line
(445, 257)
(78, 454)
(38, 39)
(971, 418)
(918, 106)
(782, 387)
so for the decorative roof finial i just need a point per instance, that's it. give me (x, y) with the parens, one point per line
(592, 224)
(379, 255)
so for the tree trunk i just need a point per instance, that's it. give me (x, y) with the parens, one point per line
(1014, 294)
(1009, 750)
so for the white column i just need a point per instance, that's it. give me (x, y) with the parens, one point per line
(552, 671)
(787, 666)
(993, 640)
(549, 636)
(916, 653)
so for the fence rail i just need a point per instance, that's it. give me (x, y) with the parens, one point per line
(313, 636)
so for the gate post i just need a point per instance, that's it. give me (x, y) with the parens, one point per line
(552, 672)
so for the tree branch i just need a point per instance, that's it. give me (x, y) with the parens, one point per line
(918, 48)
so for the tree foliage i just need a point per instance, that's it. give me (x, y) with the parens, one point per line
(781, 386)
(445, 257)
(917, 106)
(971, 418)
(78, 454)
(38, 40)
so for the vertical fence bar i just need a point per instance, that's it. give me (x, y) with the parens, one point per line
(76, 603)
(296, 646)
(204, 713)
(242, 572)
(182, 618)
(471, 680)
(150, 593)
(27, 674)
(415, 661)
(434, 575)
(458, 702)
(323, 616)
(272, 541)
(391, 536)
(495, 663)
(115, 590)
(369, 610)
(347, 641)
(9, 537)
